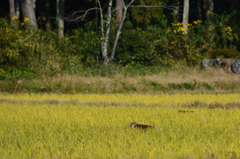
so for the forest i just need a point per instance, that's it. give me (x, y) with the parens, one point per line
(93, 37)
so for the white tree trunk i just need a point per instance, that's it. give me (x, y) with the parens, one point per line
(17, 8)
(210, 10)
(176, 10)
(28, 12)
(34, 5)
(61, 21)
(104, 41)
(106, 36)
(120, 28)
(185, 15)
(60, 15)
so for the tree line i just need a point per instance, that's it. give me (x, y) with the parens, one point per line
(128, 31)
(48, 12)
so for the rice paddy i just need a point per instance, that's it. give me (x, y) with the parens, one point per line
(98, 126)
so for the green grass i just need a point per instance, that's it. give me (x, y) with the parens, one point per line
(173, 80)
(77, 131)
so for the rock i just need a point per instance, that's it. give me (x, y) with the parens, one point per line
(218, 62)
(206, 63)
(235, 66)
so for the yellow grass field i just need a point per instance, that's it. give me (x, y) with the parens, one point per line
(98, 126)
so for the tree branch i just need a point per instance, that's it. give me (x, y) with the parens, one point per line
(73, 17)
(120, 28)
(171, 7)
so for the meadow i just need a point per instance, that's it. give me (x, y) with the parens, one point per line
(98, 126)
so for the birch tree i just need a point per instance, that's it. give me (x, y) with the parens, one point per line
(34, 5)
(106, 24)
(14, 9)
(60, 15)
(185, 15)
(210, 10)
(17, 8)
(28, 12)
(105, 35)
(176, 10)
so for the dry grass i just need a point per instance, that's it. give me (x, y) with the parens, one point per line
(217, 80)
(213, 77)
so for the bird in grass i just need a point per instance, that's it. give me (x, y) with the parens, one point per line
(182, 111)
(140, 126)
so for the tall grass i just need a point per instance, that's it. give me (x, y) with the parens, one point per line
(182, 80)
(134, 99)
(31, 130)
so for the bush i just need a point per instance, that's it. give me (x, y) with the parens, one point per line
(44, 52)
(133, 46)
(26, 49)
(223, 53)
(172, 46)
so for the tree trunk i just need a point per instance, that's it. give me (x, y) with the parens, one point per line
(199, 9)
(17, 8)
(210, 10)
(106, 36)
(48, 21)
(60, 15)
(119, 7)
(57, 10)
(104, 41)
(204, 10)
(185, 15)
(125, 8)
(34, 5)
(176, 10)
(12, 9)
(28, 12)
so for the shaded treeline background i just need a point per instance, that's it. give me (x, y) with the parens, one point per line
(139, 17)
(149, 37)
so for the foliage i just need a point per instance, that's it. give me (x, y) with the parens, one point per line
(44, 53)
(223, 53)
(85, 45)
(29, 49)
(145, 16)
(128, 79)
(133, 46)
(173, 46)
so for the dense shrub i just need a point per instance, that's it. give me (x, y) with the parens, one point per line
(44, 53)
(173, 46)
(26, 48)
(223, 53)
(133, 46)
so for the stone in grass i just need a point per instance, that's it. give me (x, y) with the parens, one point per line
(235, 66)
(206, 63)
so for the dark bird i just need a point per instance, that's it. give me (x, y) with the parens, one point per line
(181, 111)
(140, 126)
